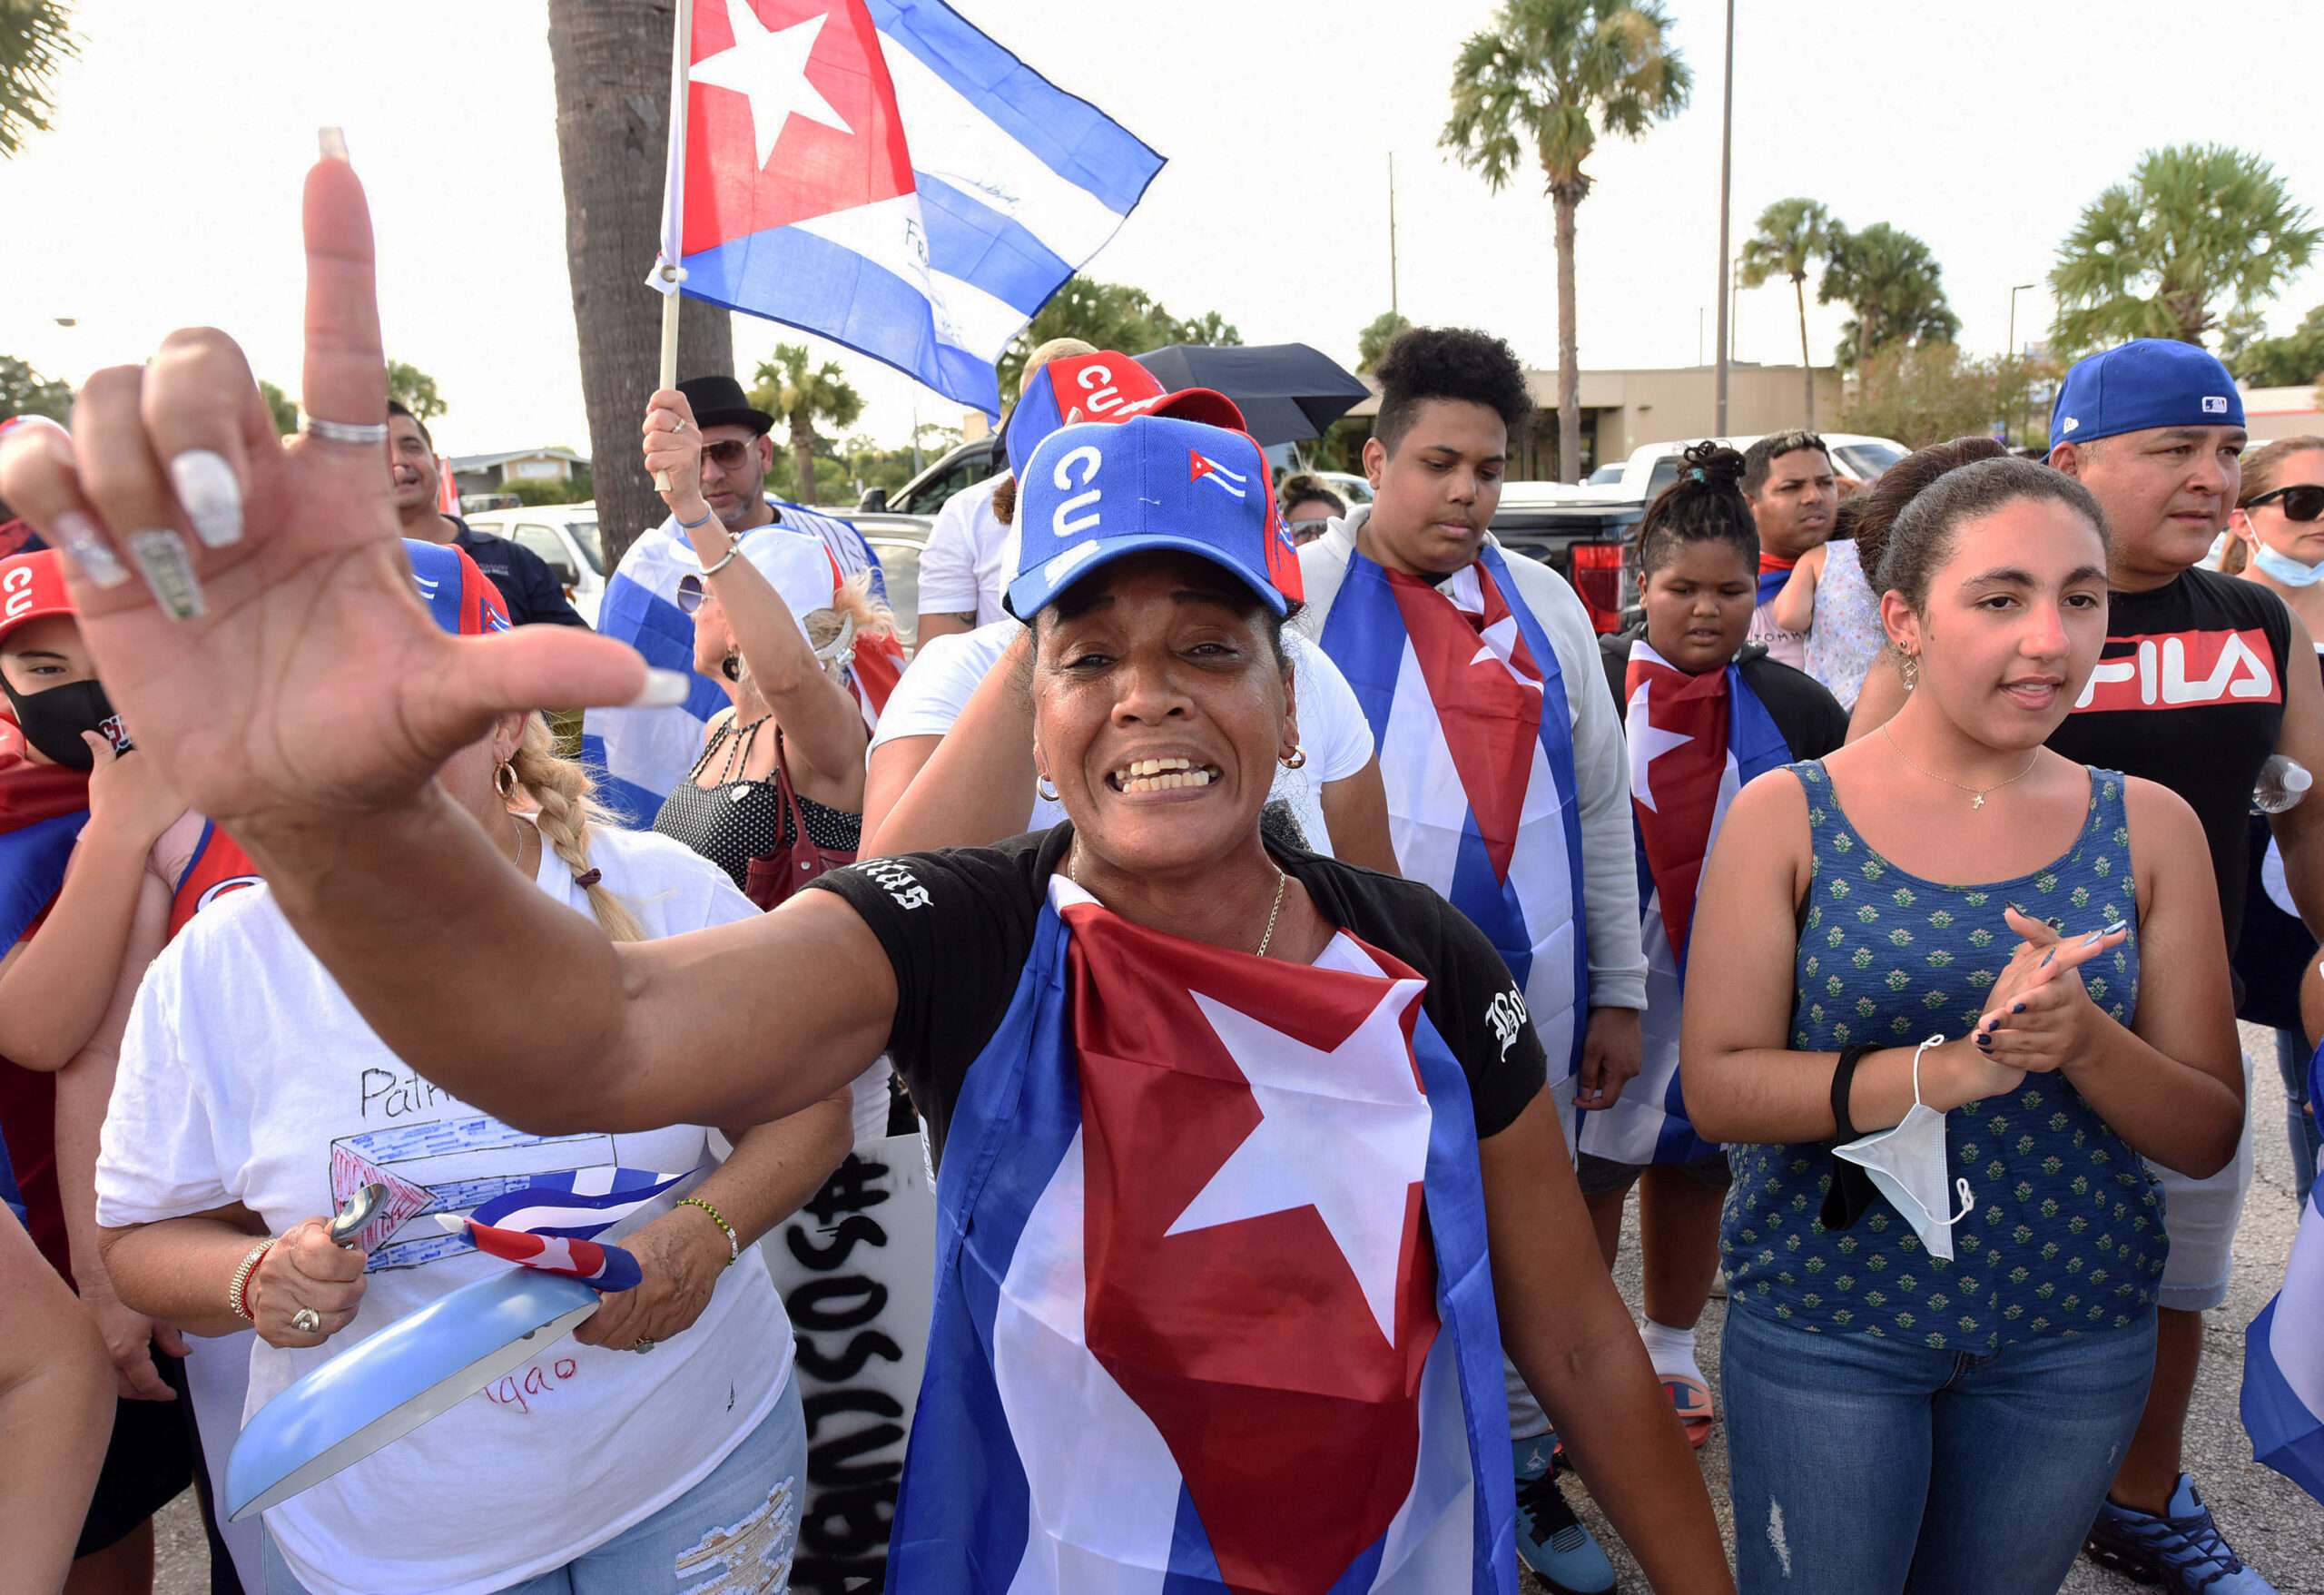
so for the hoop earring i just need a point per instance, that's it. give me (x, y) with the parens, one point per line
(1047, 788)
(1296, 759)
(1909, 667)
(504, 781)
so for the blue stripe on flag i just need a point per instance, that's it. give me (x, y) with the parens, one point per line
(2285, 1435)
(1065, 131)
(793, 277)
(969, 239)
(1022, 1094)
(32, 869)
(1193, 1570)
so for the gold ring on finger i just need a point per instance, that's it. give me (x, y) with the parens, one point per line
(306, 1321)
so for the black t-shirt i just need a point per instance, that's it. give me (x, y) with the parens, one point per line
(528, 586)
(1808, 717)
(958, 925)
(2189, 694)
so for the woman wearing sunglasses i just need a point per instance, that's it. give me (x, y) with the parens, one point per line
(777, 796)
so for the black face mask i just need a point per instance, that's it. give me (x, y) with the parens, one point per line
(53, 719)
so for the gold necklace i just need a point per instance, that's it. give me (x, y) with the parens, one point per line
(1977, 794)
(1281, 881)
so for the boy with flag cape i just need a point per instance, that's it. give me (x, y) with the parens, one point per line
(1503, 762)
(1704, 713)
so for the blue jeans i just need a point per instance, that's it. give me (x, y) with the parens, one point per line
(1867, 1467)
(2307, 1135)
(755, 1494)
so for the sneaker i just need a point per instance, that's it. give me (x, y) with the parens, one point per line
(2182, 1550)
(1550, 1539)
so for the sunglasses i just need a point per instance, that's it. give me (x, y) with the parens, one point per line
(690, 594)
(729, 454)
(2303, 502)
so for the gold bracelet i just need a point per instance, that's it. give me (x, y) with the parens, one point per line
(734, 1241)
(239, 1287)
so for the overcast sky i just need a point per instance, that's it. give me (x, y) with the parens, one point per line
(168, 194)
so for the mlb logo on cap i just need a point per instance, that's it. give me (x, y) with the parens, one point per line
(2144, 384)
(1092, 494)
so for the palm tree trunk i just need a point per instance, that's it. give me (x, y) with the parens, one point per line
(1806, 371)
(803, 459)
(1569, 368)
(611, 59)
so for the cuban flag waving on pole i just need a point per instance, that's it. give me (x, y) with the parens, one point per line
(2283, 1350)
(1213, 1307)
(1468, 714)
(1695, 740)
(881, 174)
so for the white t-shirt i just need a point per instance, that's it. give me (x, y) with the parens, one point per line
(246, 1075)
(969, 556)
(946, 672)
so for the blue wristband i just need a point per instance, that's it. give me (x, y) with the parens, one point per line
(708, 515)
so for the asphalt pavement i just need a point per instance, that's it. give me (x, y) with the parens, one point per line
(2276, 1527)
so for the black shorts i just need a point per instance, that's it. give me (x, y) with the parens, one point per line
(1602, 1176)
(148, 1465)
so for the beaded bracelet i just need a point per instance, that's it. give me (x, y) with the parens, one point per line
(238, 1289)
(734, 1241)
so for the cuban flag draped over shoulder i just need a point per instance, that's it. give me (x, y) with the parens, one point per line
(641, 755)
(43, 808)
(1695, 740)
(2283, 1350)
(882, 175)
(1469, 715)
(1213, 1307)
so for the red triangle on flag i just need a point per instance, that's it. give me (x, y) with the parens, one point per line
(350, 1172)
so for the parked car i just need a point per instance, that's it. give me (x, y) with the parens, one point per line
(1582, 534)
(924, 495)
(566, 537)
(1856, 457)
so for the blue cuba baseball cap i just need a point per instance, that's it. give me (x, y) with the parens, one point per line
(1095, 493)
(2146, 383)
(459, 597)
(1107, 385)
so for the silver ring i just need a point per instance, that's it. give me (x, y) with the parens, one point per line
(306, 1321)
(643, 1346)
(365, 435)
(680, 425)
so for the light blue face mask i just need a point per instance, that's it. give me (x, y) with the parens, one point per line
(1908, 1164)
(2283, 567)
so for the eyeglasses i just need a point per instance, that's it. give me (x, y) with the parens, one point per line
(2302, 501)
(1304, 532)
(729, 454)
(690, 594)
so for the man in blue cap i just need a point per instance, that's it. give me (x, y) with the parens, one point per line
(2202, 678)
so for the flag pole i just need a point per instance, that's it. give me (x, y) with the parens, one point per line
(673, 216)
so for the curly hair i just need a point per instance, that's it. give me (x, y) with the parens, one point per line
(1447, 362)
(1705, 505)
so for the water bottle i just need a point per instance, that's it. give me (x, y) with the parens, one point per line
(2282, 783)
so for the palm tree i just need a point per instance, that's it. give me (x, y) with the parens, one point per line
(1892, 283)
(1545, 80)
(2199, 233)
(1792, 233)
(803, 395)
(611, 62)
(1372, 342)
(34, 40)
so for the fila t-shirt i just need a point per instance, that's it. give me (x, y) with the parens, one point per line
(2189, 693)
(958, 927)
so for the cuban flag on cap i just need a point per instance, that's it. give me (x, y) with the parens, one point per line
(879, 173)
(2283, 1350)
(641, 755)
(1213, 1305)
(460, 597)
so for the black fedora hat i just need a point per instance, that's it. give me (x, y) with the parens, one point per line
(720, 401)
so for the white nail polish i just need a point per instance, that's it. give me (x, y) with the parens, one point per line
(86, 548)
(167, 568)
(665, 689)
(212, 497)
(332, 141)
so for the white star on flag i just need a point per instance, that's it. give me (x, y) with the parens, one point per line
(1499, 640)
(771, 69)
(1647, 743)
(1345, 1132)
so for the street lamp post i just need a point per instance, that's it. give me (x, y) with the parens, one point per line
(1726, 159)
(2013, 292)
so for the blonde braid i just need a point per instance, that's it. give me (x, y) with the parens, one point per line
(561, 789)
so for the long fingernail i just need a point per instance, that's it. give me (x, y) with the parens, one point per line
(212, 497)
(168, 569)
(2017, 908)
(2019, 1008)
(1985, 1041)
(665, 689)
(334, 144)
(86, 548)
(2046, 957)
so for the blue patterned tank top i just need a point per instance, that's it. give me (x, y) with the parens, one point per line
(2066, 1235)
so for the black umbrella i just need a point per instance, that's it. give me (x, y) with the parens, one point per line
(1288, 392)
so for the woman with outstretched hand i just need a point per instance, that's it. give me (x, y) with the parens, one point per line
(1243, 1185)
